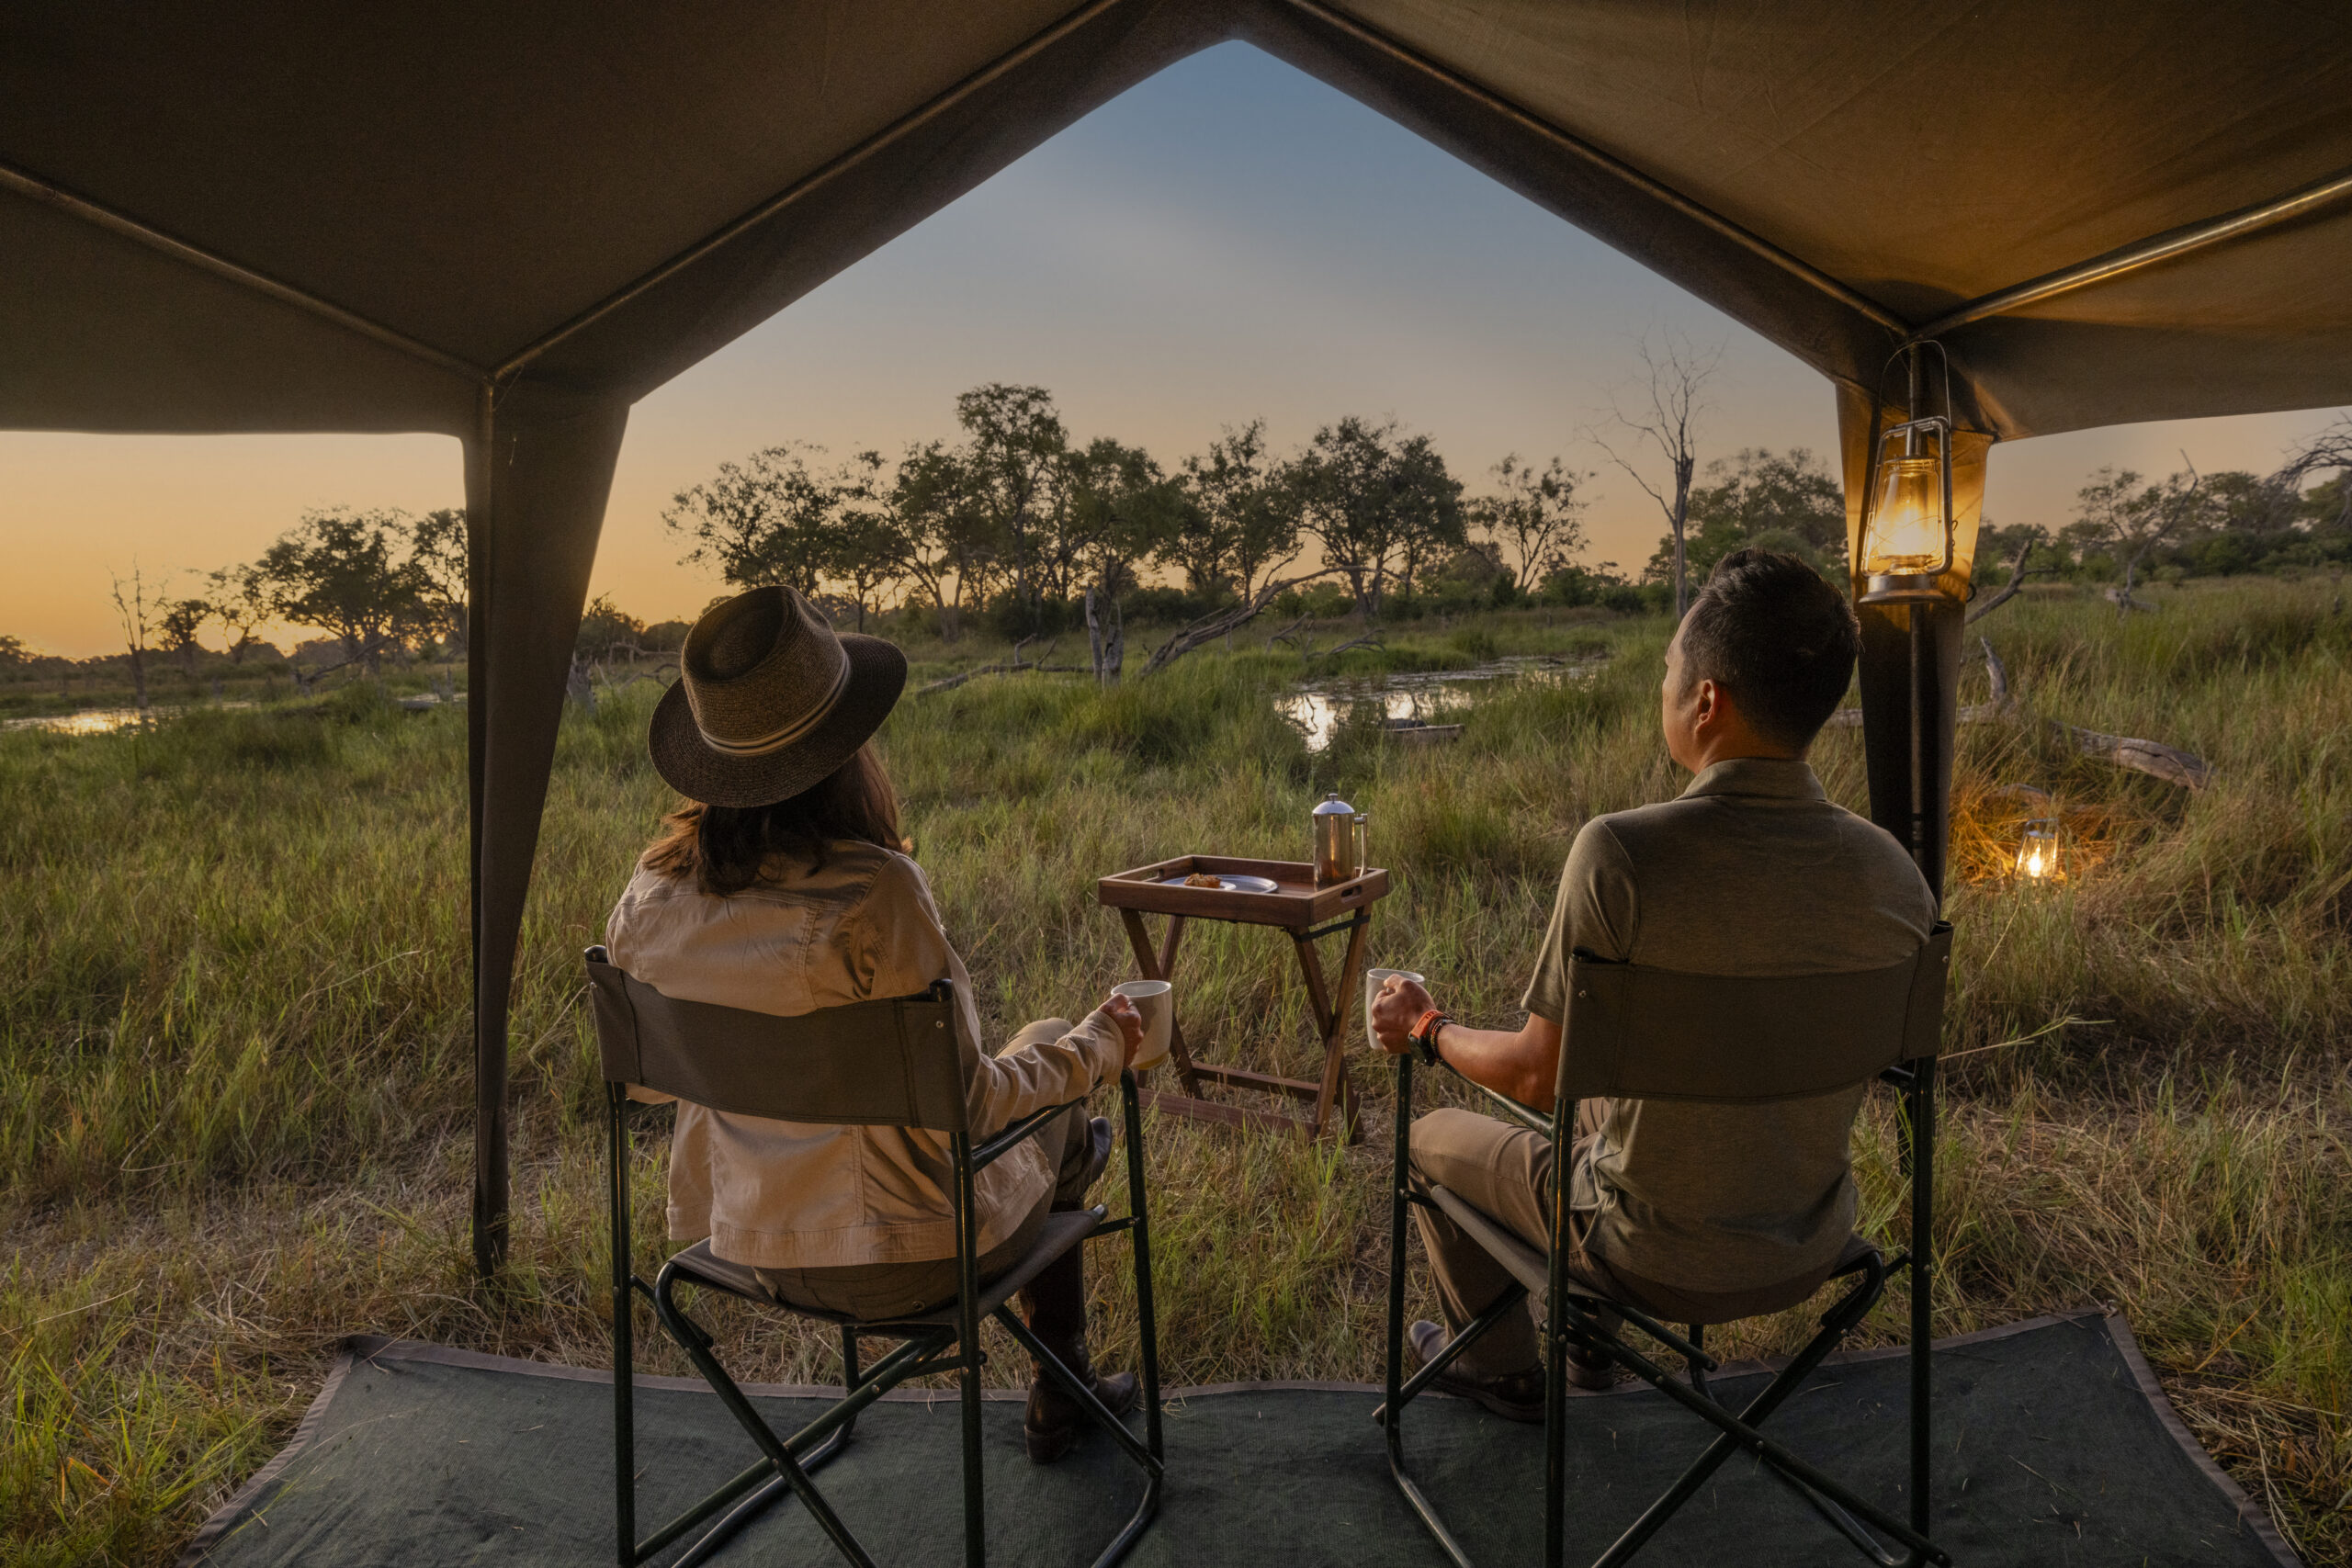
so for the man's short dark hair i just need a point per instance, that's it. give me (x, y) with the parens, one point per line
(1769, 629)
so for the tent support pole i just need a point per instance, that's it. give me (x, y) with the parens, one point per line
(32, 186)
(538, 470)
(2145, 253)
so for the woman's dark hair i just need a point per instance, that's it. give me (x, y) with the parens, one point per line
(1778, 636)
(728, 848)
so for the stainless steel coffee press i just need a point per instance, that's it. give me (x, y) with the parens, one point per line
(1339, 847)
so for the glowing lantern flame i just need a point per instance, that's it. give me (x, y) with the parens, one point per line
(2038, 854)
(1908, 534)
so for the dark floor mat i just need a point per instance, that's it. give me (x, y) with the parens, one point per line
(2053, 1446)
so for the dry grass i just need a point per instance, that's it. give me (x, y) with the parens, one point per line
(233, 1081)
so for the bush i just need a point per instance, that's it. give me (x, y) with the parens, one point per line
(1174, 606)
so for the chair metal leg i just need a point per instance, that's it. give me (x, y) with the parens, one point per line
(967, 1266)
(1054, 1367)
(697, 1344)
(1921, 1123)
(1739, 1433)
(617, 1197)
(1146, 1312)
(1146, 1324)
(1391, 1413)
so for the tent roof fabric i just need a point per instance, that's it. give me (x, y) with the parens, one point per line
(602, 196)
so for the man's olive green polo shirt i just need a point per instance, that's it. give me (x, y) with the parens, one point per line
(1751, 871)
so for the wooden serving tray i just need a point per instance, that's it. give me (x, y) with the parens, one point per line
(1295, 903)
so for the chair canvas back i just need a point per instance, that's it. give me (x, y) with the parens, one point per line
(892, 1061)
(1648, 1033)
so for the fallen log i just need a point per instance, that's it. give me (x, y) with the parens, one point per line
(1223, 623)
(950, 683)
(2153, 758)
(1369, 639)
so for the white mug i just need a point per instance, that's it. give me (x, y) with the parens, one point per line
(1152, 999)
(1372, 981)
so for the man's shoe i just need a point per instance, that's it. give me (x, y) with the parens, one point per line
(1053, 1421)
(1592, 1376)
(1515, 1396)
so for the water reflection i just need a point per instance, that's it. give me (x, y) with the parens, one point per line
(1417, 697)
(102, 721)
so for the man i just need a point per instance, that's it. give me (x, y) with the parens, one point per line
(1693, 1212)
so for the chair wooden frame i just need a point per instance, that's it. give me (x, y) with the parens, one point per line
(1574, 1312)
(946, 1340)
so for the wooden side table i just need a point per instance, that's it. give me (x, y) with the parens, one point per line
(1306, 914)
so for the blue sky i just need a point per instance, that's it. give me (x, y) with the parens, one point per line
(1231, 239)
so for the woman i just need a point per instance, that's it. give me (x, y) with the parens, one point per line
(780, 886)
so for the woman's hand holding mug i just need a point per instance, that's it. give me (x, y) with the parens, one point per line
(1122, 1011)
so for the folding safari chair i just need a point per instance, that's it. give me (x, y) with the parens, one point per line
(1652, 1034)
(886, 1063)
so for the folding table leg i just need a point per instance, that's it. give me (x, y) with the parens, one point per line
(1332, 1015)
(1161, 965)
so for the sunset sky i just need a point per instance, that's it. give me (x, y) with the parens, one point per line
(1231, 239)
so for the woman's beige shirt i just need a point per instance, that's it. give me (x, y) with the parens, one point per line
(790, 1195)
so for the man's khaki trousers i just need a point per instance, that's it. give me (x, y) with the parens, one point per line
(1505, 1172)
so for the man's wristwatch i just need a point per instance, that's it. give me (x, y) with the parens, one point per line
(1424, 1035)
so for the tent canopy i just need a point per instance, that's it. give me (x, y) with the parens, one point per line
(606, 195)
(509, 222)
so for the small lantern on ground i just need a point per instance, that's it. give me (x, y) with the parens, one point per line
(2041, 859)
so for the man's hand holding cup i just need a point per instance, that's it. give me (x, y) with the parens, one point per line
(1399, 1006)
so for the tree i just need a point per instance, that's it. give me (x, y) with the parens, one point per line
(135, 614)
(1786, 502)
(1378, 503)
(762, 522)
(240, 601)
(1534, 519)
(2327, 504)
(1012, 462)
(14, 654)
(344, 572)
(1666, 416)
(2119, 515)
(1118, 509)
(942, 533)
(182, 618)
(869, 543)
(605, 629)
(439, 546)
(1242, 521)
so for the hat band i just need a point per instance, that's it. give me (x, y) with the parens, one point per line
(760, 746)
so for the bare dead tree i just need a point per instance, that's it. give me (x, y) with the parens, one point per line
(1106, 639)
(136, 615)
(1666, 416)
(2328, 452)
(2018, 572)
(2132, 521)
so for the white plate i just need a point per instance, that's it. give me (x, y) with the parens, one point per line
(1236, 883)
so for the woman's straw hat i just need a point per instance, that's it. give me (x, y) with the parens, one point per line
(769, 701)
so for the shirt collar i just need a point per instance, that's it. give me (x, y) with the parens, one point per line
(1769, 778)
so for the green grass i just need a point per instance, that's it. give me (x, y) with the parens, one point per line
(234, 1076)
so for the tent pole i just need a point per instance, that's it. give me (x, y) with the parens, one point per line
(25, 183)
(2147, 253)
(538, 470)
